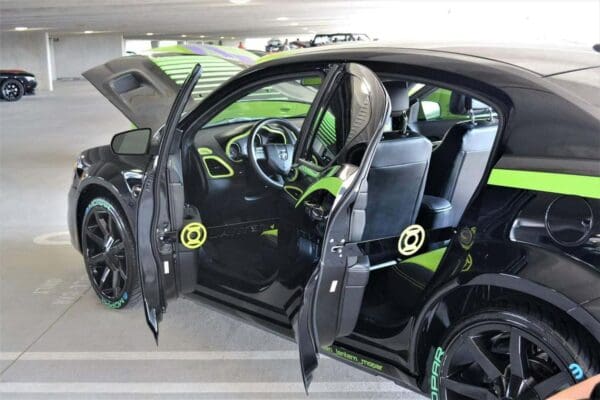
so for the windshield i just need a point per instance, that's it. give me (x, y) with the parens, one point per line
(287, 99)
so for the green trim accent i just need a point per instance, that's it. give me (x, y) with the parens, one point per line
(220, 160)
(333, 170)
(353, 357)
(430, 260)
(330, 183)
(308, 171)
(204, 151)
(230, 142)
(289, 188)
(270, 232)
(294, 175)
(276, 132)
(577, 185)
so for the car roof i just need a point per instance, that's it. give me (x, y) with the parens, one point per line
(541, 61)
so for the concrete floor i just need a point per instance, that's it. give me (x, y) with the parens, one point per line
(58, 341)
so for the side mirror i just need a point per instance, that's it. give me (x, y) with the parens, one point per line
(431, 110)
(133, 142)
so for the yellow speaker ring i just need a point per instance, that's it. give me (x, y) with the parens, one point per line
(193, 235)
(411, 239)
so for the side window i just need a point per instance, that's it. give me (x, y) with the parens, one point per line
(325, 146)
(436, 107)
(337, 134)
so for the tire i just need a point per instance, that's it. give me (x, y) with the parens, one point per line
(11, 90)
(475, 359)
(108, 249)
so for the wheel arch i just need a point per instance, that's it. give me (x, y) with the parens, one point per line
(455, 300)
(93, 190)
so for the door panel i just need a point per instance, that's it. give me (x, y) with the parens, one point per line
(333, 296)
(154, 245)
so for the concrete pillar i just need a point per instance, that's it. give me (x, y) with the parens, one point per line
(74, 54)
(29, 51)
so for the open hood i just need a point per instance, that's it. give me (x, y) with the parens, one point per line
(138, 87)
(143, 87)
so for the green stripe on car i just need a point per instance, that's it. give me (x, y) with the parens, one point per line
(569, 184)
(430, 260)
(332, 184)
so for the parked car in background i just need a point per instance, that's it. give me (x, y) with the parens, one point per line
(334, 38)
(15, 83)
(274, 45)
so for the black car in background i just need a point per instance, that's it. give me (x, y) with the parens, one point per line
(334, 38)
(431, 216)
(15, 83)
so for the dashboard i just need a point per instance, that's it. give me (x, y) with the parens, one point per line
(230, 142)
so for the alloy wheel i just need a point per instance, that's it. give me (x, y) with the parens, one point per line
(11, 91)
(104, 251)
(501, 362)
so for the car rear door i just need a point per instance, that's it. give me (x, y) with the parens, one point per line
(333, 294)
(154, 236)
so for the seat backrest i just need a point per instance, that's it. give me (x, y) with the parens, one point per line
(458, 163)
(396, 183)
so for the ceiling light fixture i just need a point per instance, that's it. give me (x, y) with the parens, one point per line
(183, 35)
(202, 36)
(21, 28)
(222, 37)
(88, 32)
(305, 29)
(282, 18)
(149, 34)
(294, 24)
(238, 2)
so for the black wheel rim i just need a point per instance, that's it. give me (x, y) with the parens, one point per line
(105, 255)
(500, 361)
(10, 90)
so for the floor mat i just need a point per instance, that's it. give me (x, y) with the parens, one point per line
(238, 261)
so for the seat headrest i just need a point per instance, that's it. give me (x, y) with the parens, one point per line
(460, 104)
(398, 92)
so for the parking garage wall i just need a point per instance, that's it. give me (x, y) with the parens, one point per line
(28, 51)
(74, 54)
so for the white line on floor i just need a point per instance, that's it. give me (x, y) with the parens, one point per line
(150, 355)
(10, 356)
(188, 387)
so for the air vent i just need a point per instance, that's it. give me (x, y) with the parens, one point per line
(217, 167)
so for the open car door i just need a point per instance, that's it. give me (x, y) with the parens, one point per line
(333, 295)
(155, 247)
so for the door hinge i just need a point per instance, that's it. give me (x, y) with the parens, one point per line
(345, 249)
(168, 237)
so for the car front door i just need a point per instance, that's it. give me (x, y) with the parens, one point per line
(333, 295)
(154, 239)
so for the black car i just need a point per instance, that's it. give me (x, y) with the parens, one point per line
(324, 39)
(431, 216)
(16, 83)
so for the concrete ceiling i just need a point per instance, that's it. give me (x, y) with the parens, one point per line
(508, 21)
(191, 17)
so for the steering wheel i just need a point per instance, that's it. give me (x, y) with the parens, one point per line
(278, 156)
